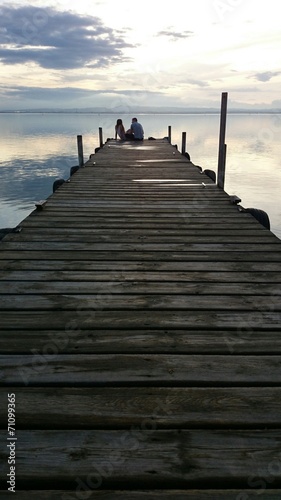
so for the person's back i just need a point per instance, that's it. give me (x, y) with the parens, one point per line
(137, 130)
(119, 130)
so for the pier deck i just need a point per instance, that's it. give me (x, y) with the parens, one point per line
(140, 334)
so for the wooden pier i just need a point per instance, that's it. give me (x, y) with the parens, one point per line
(141, 338)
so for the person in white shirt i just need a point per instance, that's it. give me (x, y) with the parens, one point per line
(137, 130)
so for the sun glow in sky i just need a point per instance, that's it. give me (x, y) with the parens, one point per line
(182, 54)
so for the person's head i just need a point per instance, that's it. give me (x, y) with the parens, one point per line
(134, 120)
(119, 122)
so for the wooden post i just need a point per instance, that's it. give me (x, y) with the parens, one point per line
(222, 145)
(170, 134)
(183, 143)
(101, 138)
(80, 150)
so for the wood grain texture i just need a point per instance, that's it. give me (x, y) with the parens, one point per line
(149, 370)
(162, 407)
(142, 458)
(72, 339)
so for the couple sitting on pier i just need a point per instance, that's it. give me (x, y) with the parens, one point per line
(135, 133)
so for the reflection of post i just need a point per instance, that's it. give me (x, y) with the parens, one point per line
(100, 135)
(183, 143)
(222, 145)
(170, 134)
(80, 150)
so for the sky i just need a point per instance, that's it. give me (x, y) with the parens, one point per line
(123, 55)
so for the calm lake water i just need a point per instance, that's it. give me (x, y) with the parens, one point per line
(38, 148)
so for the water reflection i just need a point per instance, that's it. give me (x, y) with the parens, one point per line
(25, 180)
(36, 149)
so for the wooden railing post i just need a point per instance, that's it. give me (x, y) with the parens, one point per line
(222, 145)
(170, 134)
(80, 150)
(100, 136)
(183, 143)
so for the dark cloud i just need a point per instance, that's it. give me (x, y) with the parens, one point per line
(266, 75)
(57, 40)
(175, 35)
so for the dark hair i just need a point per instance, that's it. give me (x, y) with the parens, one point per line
(119, 122)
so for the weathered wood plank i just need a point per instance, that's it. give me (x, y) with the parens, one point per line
(71, 220)
(203, 266)
(159, 407)
(88, 238)
(204, 246)
(244, 494)
(152, 275)
(236, 320)
(72, 339)
(145, 213)
(145, 458)
(132, 370)
(106, 298)
(144, 255)
(172, 234)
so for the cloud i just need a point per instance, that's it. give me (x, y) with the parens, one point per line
(24, 97)
(175, 35)
(66, 92)
(244, 89)
(197, 83)
(57, 40)
(266, 75)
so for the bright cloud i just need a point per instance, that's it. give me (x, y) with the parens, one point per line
(56, 53)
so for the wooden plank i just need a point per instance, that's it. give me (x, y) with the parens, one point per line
(119, 224)
(151, 275)
(145, 213)
(204, 246)
(163, 407)
(145, 458)
(76, 258)
(144, 255)
(147, 370)
(111, 300)
(71, 339)
(245, 494)
(87, 239)
(204, 266)
(237, 320)
(184, 233)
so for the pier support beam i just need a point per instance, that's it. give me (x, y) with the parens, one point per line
(183, 143)
(169, 134)
(100, 137)
(80, 150)
(222, 145)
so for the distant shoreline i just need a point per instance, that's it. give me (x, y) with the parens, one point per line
(140, 112)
